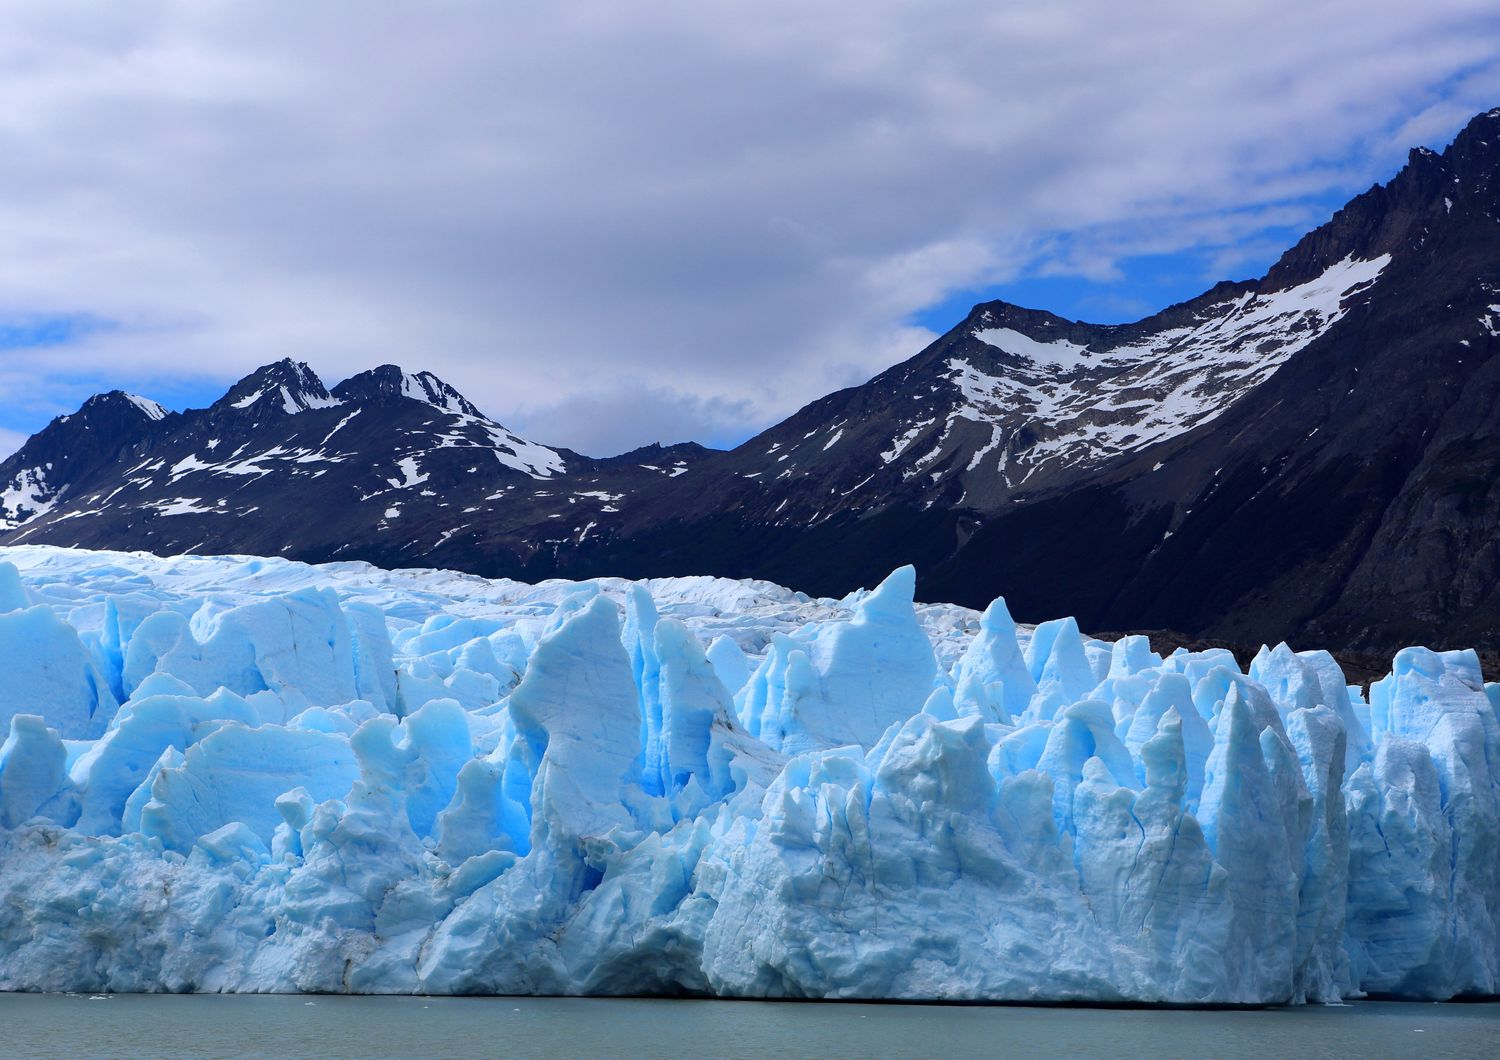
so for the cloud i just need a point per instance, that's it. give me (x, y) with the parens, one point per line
(10, 441)
(707, 214)
(617, 418)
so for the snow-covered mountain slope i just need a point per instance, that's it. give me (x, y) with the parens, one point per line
(1256, 463)
(1014, 400)
(467, 426)
(1328, 419)
(390, 381)
(284, 388)
(239, 774)
(388, 465)
(71, 450)
(1126, 391)
(1352, 498)
(27, 496)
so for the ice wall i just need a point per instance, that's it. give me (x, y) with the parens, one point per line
(237, 775)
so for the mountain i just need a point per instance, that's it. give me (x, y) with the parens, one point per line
(1010, 405)
(1353, 496)
(387, 466)
(71, 449)
(1312, 455)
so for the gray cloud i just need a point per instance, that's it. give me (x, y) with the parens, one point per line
(715, 212)
(617, 417)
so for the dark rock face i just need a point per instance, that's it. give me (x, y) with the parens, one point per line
(392, 468)
(1312, 456)
(1353, 498)
(73, 449)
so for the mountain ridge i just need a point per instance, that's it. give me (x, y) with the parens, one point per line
(1156, 474)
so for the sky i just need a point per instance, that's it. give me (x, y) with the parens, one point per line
(610, 224)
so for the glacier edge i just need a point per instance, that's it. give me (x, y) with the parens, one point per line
(248, 775)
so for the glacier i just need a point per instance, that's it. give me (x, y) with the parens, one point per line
(240, 774)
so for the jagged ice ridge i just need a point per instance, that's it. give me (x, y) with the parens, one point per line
(236, 774)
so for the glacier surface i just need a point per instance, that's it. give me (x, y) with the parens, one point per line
(240, 774)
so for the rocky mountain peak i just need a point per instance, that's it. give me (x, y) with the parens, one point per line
(390, 382)
(1435, 191)
(117, 404)
(284, 387)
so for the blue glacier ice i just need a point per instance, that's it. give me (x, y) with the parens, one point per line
(239, 774)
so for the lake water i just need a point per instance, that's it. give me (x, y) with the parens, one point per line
(123, 1025)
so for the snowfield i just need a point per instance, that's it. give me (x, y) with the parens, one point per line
(241, 774)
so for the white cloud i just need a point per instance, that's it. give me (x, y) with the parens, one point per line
(735, 204)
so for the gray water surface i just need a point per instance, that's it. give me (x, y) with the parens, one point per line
(135, 1025)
